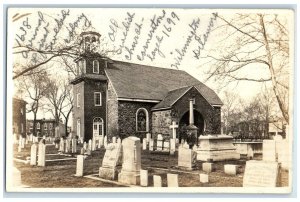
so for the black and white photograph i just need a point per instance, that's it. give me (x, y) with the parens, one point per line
(149, 100)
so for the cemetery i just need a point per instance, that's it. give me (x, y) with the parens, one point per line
(132, 163)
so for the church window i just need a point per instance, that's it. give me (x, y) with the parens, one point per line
(50, 126)
(78, 99)
(45, 126)
(97, 99)
(142, 120)
(95, 66)
(38, 126)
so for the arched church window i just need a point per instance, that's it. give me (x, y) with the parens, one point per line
(38, 126)
(96, 66)
(142, 120)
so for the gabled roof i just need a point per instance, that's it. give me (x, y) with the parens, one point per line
(135, 81)
(171, 98)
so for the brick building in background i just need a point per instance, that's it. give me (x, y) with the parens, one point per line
(117, 98)
(43, 127)
(19, 117)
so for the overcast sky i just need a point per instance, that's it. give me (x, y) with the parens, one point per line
(130, 29)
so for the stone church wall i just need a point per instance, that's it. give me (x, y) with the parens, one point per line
(112, 112)
(161, 120)
(127, 118)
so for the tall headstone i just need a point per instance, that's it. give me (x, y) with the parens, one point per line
(105, 141)
(159, 142)
(62, 145)
(68, 145)
(79, 166)
(114, 139)
(110, 160)
(131, 166)
(172, 146)
(148, 137)
(74, 146)
(157, 181)
(42, 155)
(22, 142)
(100, 144)
(172, 180)
(144, 178)
(94, 144)
(144, 144)
(151, 147)
(84, 146)
(186, 157)
(90, 145)
(119, 141)
(33, 154)
(269, 150)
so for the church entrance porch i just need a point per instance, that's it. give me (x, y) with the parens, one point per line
(184, 122)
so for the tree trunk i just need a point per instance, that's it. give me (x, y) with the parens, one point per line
(285, 113)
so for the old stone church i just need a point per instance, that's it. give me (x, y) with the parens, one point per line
(117, 98)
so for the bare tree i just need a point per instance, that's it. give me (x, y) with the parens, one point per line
(230, 110)
(68, 105)
(253, 40)
(35, 87)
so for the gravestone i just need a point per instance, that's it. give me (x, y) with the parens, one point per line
(269, 150)
(62, 145)
(148, 137)
(159, 146)
(119, 141)
(144, 178)
(84, 146)
(42, 154)
(166, 146)
(157, 181)
(151, 147)
(231, 169)
(261, 174)
(110, 160)
(74, 146)
(94, 144)
(144, 144)
(284, 156)
(208, 167)
(79, 166)
(33, 154)
(131, 161)
(68, 145)
(22, 142)
(82, 151)
(100, 144)
(172, 146)
(186, 157)
(203, 178)
(105, 141)
(88, 152)
(90, 145)
(172, 180)
(114, 139)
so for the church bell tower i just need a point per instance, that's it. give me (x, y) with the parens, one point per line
(89, 89)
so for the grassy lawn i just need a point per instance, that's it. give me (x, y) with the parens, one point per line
(61, 173)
